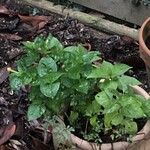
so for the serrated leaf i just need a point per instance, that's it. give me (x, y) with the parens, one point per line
(50, 90)
(130, 127)
(103, 99)
(119, 69)
(35, 111)
(102, 71)
(46, 65)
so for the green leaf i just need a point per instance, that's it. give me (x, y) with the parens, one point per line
(75, 50)
(74, 72)
(109, 85)
(73, 116)
(126, 81)
(91, 57)
(114, 108)
(50, 78)
(103, 99)
(50, 90)
(83, 86)
(93, 121)
(46, 65)
(117, 119)
(35, 111)
(52, 42)
(133, 110)
(119, 69)
(130, 127)
(103, 71)
(108, 119)
(93, 108)
(29, 45)
(15, 82)
(146, 107)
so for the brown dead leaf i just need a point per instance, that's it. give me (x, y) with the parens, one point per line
(36, 21)
(12, 37)
(4, 10)
(3, 74)
(8, 132)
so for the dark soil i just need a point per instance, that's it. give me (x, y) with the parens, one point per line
(13, 105)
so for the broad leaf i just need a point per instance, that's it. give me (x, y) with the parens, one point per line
(109, 85)
(117, 119)
(93, 108)
(126, 81)
(119, 69)
(102, 71)
(113, 108)
(108, 119)
(73, 116)
(93, 121)
(91, 57)
(103, 99)
(50, 90)
(15, 82)
(35, 111)
(46, 65)
(83, 86)
(50, 78)
(52, 42)
(134, 110)
(130, 127)
(146, 107)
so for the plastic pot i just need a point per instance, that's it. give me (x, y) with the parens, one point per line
(81, 144)
(144, 37)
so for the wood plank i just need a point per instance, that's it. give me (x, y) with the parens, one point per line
(122, 9)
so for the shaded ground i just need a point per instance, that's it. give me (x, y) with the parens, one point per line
(17, 26)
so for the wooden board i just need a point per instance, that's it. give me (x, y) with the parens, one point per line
(122, 9)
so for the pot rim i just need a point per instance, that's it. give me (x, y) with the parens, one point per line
(122, 145)
(141, 41)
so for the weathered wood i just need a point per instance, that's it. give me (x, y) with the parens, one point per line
(122, 9)
(93, 21)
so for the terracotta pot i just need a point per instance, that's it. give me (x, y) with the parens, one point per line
(84, 145)
(144, 34)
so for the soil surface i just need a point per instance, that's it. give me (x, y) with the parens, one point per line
(17, 25)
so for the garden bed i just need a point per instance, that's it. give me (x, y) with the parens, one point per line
(15, 27)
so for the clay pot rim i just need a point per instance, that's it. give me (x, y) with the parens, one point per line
(85, 145)
(141, 41)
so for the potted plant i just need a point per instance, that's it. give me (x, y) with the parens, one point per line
(94, 97)
(144, 41)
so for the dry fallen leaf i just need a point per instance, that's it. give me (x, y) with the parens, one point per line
(4, 10)
(8, 132)
(9, 36)
(38, 21)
